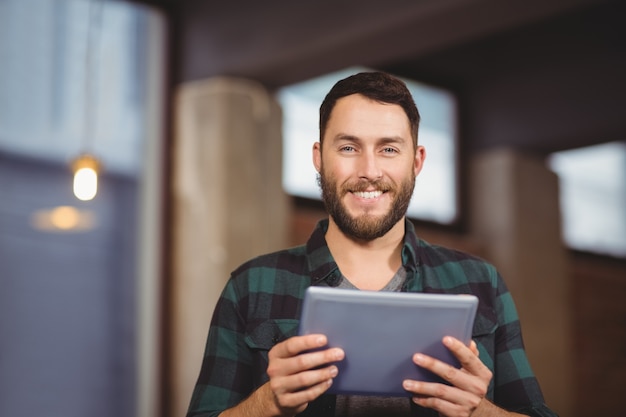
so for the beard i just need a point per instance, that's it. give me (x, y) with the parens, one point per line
(365, 226)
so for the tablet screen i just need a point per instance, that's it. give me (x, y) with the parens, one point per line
(381, 331)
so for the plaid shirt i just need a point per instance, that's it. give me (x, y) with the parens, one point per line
(261, 302)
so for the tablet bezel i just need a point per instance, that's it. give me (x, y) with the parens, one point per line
(357, 321)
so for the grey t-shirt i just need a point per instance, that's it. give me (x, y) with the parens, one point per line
(373, 406)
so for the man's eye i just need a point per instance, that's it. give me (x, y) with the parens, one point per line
(347, 148)
(389, 150)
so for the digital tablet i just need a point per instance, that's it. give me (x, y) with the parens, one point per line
(381, 331)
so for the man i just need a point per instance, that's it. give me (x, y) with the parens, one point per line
(367, 159)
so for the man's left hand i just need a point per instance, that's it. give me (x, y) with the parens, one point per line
(468, 387)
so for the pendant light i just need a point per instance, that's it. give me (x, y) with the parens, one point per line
(86, 166)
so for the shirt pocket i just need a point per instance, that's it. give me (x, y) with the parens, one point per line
(484, 324)
(261, 336)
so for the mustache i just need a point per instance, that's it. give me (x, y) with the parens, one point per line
(365, 185)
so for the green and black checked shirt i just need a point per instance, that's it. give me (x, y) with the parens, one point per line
(261, 302)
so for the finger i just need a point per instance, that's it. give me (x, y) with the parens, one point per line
(298, 344)
(427, 391)
(474, 348)
(460, 378)
(443, 407)
(290, 383)
(282, 366)
(468, 359)
(297, 398)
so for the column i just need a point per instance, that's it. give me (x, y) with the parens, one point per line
(228, 206)
(515, 214)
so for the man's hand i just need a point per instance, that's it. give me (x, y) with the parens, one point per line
(295, 377)
(469, 384)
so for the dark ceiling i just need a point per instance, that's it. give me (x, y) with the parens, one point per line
(537, 75)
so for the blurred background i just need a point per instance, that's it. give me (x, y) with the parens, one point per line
(201, 116)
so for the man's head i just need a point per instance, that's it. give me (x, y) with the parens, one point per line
(368, 156)
(377, 86)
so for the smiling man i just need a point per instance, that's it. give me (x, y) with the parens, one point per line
(374, 163)
(367, 158)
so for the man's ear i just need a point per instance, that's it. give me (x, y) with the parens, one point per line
(317, 156)
(420, 157)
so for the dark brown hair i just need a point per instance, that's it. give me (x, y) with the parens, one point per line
(378, 86)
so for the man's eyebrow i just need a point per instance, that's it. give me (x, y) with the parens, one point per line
(383, 140)
(345, 137)
(392, 139)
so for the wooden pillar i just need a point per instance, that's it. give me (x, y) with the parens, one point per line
(228, 207)
(516, 215)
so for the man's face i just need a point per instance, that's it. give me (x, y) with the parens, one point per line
(367, 166)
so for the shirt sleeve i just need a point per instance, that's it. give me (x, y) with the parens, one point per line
(224, 378)
(515, 385)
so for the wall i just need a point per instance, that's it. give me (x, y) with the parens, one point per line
(599, 345)
(67, 324)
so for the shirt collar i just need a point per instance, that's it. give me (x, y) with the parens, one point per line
(322, 265)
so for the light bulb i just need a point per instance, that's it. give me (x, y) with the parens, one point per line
(85, 177)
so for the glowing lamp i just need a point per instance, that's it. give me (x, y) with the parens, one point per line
(86, 169)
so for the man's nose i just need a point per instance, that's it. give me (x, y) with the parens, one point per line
(369, 166)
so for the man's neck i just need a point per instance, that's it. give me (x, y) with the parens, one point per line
(369, 265)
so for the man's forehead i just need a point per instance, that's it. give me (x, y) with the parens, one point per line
(363, 114)
(355, 104)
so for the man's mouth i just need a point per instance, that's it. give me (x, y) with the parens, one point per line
(368, 194)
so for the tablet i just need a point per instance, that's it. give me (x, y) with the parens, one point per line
(381, 331)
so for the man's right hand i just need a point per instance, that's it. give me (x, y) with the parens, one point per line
(297, 377)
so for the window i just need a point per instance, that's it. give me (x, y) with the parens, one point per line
(435, 197)
(44, 95)
(77, 328)
(593, 197)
